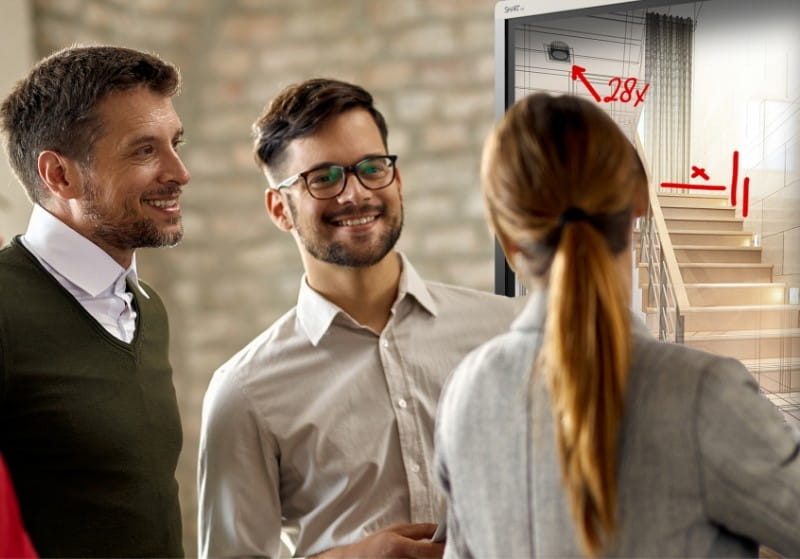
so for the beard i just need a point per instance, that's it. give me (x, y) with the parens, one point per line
(125, 228)
(350, 255)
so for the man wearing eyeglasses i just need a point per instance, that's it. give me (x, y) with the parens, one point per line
(320, 432)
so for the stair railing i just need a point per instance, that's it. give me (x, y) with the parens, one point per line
(666, 291)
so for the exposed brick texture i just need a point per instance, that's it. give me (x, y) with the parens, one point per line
(429, 64)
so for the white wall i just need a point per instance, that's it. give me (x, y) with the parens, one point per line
(747, 97)
(16, 44)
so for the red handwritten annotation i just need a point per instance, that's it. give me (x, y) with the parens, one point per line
(699, 171)
(623, 91)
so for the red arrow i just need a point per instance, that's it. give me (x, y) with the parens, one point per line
(577, 72)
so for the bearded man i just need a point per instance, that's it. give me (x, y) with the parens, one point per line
(89, 423)
(319, 433)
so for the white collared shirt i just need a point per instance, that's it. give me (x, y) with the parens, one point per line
(86, 271)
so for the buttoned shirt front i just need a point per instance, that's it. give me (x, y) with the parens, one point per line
(324, 428)
(86, 271)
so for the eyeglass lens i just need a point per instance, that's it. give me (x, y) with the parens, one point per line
(372, 173)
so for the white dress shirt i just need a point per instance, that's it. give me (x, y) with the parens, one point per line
(86, 271)
(323, 428)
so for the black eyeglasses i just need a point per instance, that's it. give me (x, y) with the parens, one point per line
(328, 181)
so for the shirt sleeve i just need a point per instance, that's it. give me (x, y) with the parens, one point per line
(749, 459)
(239, 511)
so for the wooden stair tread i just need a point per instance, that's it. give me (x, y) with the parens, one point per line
(735, 284)
(713, 247)
(695, 195)
(742, 334)
(771, 363)
(711, 232)
(666, 218)
(728, 308)
(721, 265)
(717, 265)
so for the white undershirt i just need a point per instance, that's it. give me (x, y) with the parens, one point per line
(86, 271)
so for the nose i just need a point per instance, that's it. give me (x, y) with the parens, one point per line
(354, 194)
(174, 171)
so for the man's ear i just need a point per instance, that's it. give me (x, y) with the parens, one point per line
(60, 175)
(399, 180)
(278, 209)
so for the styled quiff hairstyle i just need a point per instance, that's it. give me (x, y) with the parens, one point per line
(55, 106)
(560, 183)
(300, 110)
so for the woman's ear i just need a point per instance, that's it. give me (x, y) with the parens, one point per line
(641, 202)
(512, 252)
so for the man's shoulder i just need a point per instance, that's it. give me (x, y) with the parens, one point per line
(472, 312)
(471, 297)
(20, 273)
(12, 256)
(262, 352)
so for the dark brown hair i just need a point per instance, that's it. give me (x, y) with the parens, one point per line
(54, 107)
(560, 181)
(301, 109)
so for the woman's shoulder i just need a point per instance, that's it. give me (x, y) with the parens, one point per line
(489, 374)
(675, 369)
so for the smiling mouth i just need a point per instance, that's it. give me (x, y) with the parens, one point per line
(355, 221)
(162, 204)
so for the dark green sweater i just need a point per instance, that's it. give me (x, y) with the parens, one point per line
(89, 424)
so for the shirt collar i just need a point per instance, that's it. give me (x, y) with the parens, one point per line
(74, 256)
(315, 313)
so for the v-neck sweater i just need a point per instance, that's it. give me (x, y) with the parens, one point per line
(89, 424)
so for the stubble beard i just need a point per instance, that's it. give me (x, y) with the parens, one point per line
(126, 230)
(342, 254)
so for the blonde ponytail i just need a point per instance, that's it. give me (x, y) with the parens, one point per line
(560, 181)
(586, 355)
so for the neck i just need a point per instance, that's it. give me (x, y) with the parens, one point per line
(366, 294)
(76, 220)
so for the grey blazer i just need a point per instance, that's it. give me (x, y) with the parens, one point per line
(707, 466)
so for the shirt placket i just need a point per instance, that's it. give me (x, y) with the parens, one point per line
(411, 440)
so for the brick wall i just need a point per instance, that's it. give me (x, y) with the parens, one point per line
(429, 64)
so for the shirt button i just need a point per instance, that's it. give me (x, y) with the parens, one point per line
(415, 468)
(402, 403)
(385, 343)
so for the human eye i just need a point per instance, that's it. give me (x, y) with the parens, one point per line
(144, 150)
(325, 177)
(373, 167)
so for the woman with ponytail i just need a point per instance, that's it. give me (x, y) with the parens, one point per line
(576, 433)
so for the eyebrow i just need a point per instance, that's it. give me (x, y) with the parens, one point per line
(324, 164)
(139, 140)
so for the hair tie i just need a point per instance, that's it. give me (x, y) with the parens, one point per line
(572, 214)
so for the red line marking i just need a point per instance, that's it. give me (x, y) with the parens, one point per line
(693, 186)
(735, 177)
(640, 96)
(699, 171)
(577, 73)
(746, 196)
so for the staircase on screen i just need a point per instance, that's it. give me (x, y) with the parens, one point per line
(736, 308)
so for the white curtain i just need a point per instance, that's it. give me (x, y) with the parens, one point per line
(668, 107)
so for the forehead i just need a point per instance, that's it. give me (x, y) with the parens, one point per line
(345, 138)
(126, 115)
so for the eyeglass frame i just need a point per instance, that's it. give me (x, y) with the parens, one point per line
(346, 169)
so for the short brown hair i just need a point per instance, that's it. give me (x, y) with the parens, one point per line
(54, 106)
(300, 109)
